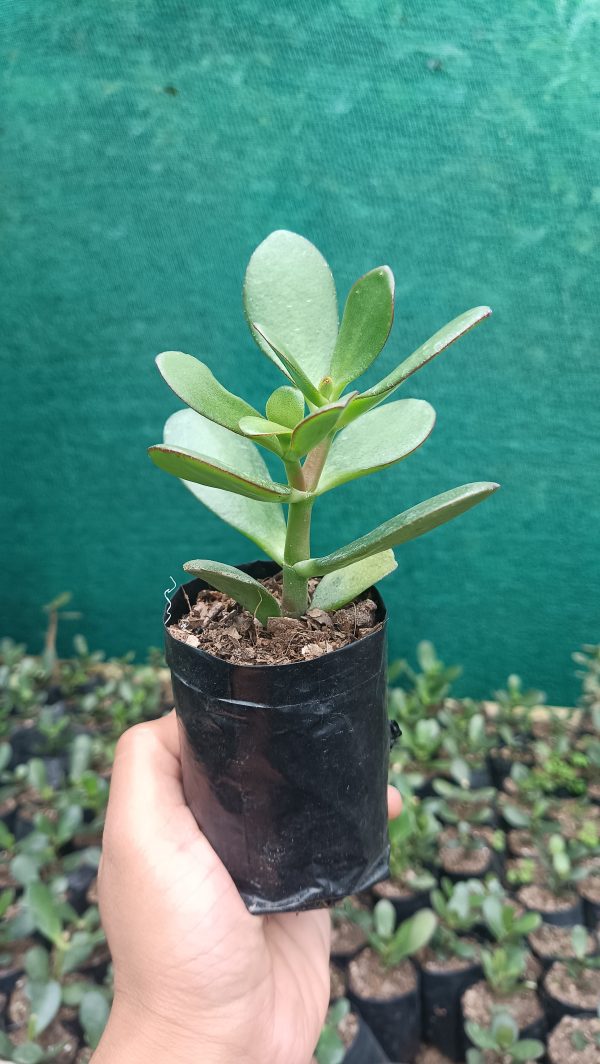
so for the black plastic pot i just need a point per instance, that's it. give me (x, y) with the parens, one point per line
(555, 1008)
(441, 994)
(396, 1023)
(79, 882)
(560, 917)
(365, 1048)
(285, 766)
(591, 913)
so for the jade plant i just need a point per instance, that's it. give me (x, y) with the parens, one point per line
(324, 431)
(500, 1042)
(395, 943)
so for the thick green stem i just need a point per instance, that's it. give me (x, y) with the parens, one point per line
(297, 549)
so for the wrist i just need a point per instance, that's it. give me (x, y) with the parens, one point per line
(135, 1035)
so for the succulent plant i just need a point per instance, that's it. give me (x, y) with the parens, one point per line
(323, 433)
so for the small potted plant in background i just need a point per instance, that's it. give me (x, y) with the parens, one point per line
(346, 1039)
(575, 1040)
(279, 668)
(501, 1043)
(383, 983)
(572, 985)
(413, 845)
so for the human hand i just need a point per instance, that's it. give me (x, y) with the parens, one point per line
(197, 978)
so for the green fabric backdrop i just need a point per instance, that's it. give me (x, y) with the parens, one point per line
(148, 145)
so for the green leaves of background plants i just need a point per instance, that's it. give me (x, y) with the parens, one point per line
(196, 386)
(263, 523)
(379, 439)
(289, 289)
(250, 594)
(93, 1015)
(44, 910)
(337, 589)
(365, 327)
(406, 526)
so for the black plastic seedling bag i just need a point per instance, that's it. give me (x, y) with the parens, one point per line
(285, 766)
(396, 1023)
(441, 994)
(365, 1048)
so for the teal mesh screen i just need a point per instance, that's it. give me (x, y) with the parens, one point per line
(147, 147)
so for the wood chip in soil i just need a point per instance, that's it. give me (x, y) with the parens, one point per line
(584, 992)
(562, 1043)
(543, 900)
(478, 1004)
(552, 941)
(219, 626)
(369, 978)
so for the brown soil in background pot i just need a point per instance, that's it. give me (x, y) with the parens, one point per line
(395, 890)
(455, 859)
(561, 1049)
(521, 844)
(478, 1004)
(54, 1035)
(431, 962)
(369, 978)
(552, 941)
(219, 626)
(543, 900)
(346, 938)
(583, 993)
(589, 889)
(431, 1055)
(348, 1029)
(337, 982)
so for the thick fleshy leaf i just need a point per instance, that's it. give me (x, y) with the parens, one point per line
(406, 526)
(93, 1015)
(280, 356)
(432, 347)
(285, 406)
(196, 386)
(337, 589)
(263, 523)
(45, 1003)
(250, 594)
(44, 910)
(365, 327)
(261, 426)
(289, 288)
(379, 439)
(197, 468)
(315, 427)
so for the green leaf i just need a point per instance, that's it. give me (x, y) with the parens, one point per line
(338, 588)
(432, 347)
(69, 822)
(196, 386)
(276, 351)
(45, 1003)
(365, 327)
(198, 469)
(6, 1047)
(406, 526)
(263, 523)
(528, 1049)
(25, 869)
(289, 288)
(260, 426)
(44, 911)
(93, 1016)
(330, 1048)
(250, 594)
(28, 1053)
(80, 947)
(420, 929)
(285, 406)
(80, 756)
(377, 440)
(384, 917)
(315, 427)
(37, 964)
(480, 1036)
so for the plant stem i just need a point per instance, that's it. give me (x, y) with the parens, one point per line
(297, 548)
